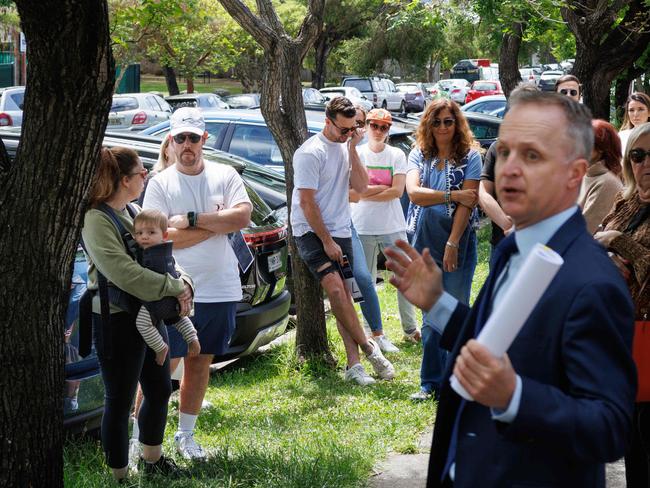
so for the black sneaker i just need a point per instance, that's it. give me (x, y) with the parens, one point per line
(163, 467)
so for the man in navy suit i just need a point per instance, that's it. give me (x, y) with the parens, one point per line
(558, 405)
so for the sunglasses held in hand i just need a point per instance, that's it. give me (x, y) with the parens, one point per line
(180, 138)
(638, 155)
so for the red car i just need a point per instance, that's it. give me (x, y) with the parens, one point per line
(480, 88)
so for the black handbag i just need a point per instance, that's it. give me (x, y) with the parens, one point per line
(433, 228)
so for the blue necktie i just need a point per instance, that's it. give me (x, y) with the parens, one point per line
(506, 248)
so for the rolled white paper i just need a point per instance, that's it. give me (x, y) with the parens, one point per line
(507, 319)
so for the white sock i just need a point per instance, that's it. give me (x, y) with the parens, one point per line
(135, 433)
(186, 422)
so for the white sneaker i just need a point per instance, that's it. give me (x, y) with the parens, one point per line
(384, 344)
(357, 374)
(381, 365)
(135, 452)
(188, 447)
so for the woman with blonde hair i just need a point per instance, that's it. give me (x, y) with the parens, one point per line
(442, 182)
(626, 234)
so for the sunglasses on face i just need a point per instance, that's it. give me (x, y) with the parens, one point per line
(344, 130)
(180, 138)
(446, 122)
(638, 155)
(567, 92)
(379, 127)
(361, 124)
(143, 172)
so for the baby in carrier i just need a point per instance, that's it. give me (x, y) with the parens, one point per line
(150, 232)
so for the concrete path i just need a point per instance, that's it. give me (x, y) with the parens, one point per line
(410, 470)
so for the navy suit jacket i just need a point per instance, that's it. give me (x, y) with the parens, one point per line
(579, 382)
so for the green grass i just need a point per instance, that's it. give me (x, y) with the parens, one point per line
(157, 84)
(275, 424)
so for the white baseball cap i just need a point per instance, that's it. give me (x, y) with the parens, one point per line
(187, 119)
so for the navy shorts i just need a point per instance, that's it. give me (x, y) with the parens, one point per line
(311, 250)
(215, 325)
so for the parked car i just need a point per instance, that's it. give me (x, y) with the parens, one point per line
(468, 69)
(548, 79)
(438, 90)
(490, 104)
(382, 92)
(313, 99)
(11, 105)
(482, 88)
(416, 97)
(532, 75)
(203, 101)
(137, 111)
(262, 315)
(246, 134)
(457, 88)
(244, 100)
(353, 94)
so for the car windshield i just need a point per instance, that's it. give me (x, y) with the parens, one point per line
(360, 84)
(241, 101)
(120, 104)
(484, 86)
(407, 88)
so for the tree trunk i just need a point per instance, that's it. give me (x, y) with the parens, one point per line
(604, 47)
(190, 85)
(622, 90)
(289, 127)
(508, 58)
(282, 61)
(70, 83)
(170, 79)
(322, 50)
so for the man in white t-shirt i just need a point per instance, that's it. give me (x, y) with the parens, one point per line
(325, 167)
(204, 203)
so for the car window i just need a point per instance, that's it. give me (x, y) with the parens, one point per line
(121, 104)
(214, 129)
(482, 86)
(482, 130)
(15, 101)
(153, 104)
(486, 107)
(183, 102)
(163, 104)
(404, 142)
(253, 142)
(362, 84)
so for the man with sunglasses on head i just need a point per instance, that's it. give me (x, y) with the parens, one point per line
(325, 167)
(204, 203)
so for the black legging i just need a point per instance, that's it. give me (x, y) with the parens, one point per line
(130, 361)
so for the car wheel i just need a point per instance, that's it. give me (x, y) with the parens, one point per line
(402, 107)
(384, 105)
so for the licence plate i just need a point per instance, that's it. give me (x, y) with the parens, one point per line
(275, 261)
(114, 121)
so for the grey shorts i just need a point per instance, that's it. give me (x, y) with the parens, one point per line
(312, 252)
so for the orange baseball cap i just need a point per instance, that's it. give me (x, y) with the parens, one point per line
(380, 115)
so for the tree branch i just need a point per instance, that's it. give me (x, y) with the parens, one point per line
(252, 24)
(267, 13)
(311, 26)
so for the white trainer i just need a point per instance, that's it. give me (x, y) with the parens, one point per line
(384, 344)
(381, 365)
(357, 374)
(188, 447)
(135, 452)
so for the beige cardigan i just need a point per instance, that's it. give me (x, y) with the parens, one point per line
(597, 195)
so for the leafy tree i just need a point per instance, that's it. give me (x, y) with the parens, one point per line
(283, 56)
(70, 79)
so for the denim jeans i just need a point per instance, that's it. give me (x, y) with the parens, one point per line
(372, 245)
(370, 304)
(459, 285)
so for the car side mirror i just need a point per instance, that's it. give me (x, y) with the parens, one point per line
(363, 97)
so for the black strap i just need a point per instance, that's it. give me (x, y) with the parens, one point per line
(640, 217)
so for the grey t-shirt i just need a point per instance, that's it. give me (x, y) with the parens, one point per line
(324, 166)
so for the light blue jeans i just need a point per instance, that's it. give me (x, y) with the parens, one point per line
(372, 245)
(459, 285)
(370, 304)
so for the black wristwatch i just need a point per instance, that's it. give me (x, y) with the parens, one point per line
(191, 218)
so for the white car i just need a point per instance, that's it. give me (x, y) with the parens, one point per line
(382, 92)
(457, 88)
(548, 79)
(350, 92)
(137, 111)
(11, 106)
(489, 104)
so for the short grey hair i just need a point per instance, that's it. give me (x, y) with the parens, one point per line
(628, 175)
(578, 116)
